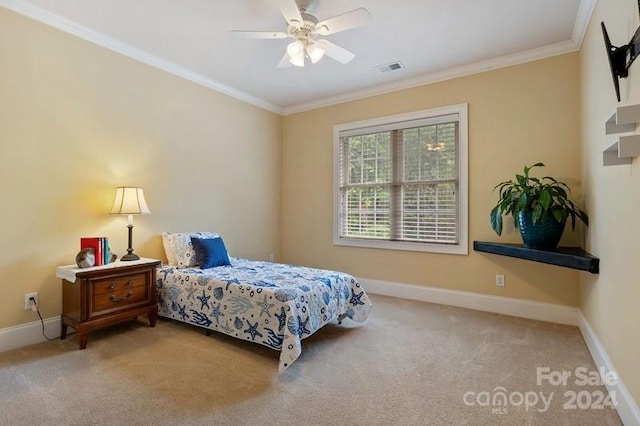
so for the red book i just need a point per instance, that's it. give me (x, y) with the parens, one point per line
(95, 244)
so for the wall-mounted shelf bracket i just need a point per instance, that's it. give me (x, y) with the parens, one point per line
(622, 152)
(623, 120)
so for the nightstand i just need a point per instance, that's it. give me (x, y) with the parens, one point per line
(104, 295)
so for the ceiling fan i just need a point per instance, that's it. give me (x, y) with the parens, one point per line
(305, 29)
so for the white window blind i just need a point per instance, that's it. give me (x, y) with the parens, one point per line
(399, 181)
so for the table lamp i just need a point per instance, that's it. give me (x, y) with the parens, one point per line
(130, 200)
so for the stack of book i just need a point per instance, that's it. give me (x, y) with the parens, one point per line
(100, 246)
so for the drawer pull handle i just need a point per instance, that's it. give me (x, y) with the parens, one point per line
(113, 297)
(130, 283)
(112, 286)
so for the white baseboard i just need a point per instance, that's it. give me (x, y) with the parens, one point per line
(627, 407)
(28, 334)
(560, 314)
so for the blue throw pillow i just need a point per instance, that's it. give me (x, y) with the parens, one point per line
(210, 252)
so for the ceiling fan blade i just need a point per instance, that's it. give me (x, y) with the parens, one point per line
(336, 52)
(259, 34)
(284, 62)
(346, 21)
(289, 10)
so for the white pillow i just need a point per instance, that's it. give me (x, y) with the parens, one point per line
(179, 250)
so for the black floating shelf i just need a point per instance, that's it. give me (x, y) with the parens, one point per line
(568, 257)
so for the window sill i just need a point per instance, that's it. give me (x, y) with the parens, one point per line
(568, 257)
(402, 246)
(460, 249)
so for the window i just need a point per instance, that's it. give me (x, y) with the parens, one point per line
(401, 182)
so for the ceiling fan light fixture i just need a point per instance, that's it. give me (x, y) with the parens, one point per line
(296, 49)
(315, 53)
(298, 61)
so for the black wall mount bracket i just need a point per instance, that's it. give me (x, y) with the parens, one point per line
(621, 57)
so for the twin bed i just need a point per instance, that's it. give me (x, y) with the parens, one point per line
(272, 304)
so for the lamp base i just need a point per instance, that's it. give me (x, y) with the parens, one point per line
(130, 256)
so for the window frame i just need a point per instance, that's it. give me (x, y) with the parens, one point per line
(462, 248)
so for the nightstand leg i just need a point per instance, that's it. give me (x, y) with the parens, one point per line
(63, 330)
(153, 316)
(82, 338)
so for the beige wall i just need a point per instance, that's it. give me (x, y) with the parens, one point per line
(518, 115)
(609, 301)
(77, 120)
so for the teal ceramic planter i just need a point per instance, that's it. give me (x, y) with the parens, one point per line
(544, 235)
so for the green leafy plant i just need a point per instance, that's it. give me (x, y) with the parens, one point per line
(544, 197)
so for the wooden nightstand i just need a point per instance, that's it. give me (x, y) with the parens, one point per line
(104, 295)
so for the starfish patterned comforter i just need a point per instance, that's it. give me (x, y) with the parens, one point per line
(272, 304)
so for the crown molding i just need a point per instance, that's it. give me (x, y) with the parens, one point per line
(449, 74)
(115, 45)
(582, 21)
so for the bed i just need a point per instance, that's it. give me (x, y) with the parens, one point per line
(273, 304)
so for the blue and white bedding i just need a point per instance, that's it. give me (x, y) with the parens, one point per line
(273, 304)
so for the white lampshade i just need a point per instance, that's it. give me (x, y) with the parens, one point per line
(296, 53)
(295, 49)
(298, 61)
(315, 53)
(129, 200)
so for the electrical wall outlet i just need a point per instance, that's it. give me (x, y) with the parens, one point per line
(500, 280)
(271, 258)
(28, 304)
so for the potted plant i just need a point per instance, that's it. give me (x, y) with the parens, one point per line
(539, 206)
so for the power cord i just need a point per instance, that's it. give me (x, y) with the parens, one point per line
(34, 307)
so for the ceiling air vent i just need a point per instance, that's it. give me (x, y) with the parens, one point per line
(390, 67)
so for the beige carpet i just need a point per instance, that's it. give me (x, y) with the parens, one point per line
(411, 364)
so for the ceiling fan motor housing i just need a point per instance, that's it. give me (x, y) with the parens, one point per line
(306, 30)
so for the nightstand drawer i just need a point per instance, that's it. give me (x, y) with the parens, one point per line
(118, 291)
(119, 299)
(117, 284)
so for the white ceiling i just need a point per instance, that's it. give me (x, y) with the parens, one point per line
(434, 39)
